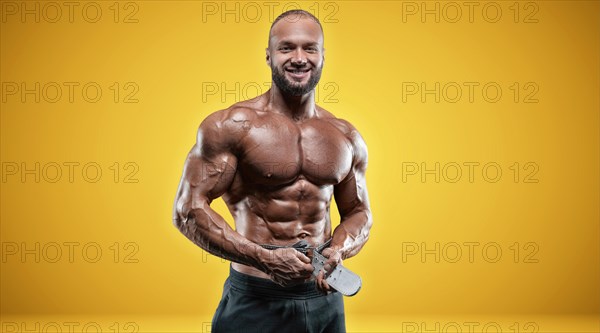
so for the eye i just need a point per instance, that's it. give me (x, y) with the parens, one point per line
(285, 48)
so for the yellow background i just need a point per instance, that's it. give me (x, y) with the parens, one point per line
(173, 51)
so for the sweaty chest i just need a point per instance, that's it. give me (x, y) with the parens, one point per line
(279, 153)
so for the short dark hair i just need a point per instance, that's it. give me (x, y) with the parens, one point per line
(298, 13)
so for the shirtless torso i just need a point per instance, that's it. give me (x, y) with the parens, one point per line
(286, 174)
(276, 175)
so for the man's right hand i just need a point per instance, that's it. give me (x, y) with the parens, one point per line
(287, 266)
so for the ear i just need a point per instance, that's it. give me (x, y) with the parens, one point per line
(268, 57)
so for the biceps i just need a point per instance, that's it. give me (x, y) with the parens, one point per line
(351, 194)
(203, 180)
(210, 177)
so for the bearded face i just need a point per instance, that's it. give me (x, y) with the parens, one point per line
(294, 80)
(295, 55)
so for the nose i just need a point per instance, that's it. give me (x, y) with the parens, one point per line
(299, 58)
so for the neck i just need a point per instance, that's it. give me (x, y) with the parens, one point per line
(294, 107)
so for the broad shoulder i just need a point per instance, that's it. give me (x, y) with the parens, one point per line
(342, 125)
(223, 129)
(355, 139)
(230, 118)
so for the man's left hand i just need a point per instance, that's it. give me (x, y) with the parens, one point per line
(334, 258)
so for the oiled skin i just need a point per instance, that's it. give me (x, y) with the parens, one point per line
(277, 173)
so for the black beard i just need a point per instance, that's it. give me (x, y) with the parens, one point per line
(292, 89)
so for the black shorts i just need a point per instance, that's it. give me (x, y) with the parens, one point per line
(251, 304)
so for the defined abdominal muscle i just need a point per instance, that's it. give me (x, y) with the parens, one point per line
(297, 211)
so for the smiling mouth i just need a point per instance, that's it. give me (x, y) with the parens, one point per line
(298, 72)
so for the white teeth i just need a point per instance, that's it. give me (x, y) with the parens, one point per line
(297, 71)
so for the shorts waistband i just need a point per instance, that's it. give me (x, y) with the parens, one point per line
(253, 285)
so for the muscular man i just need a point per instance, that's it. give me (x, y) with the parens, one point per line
(276, 160)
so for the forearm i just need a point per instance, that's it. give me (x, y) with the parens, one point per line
(210, 231)
(352, 233)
